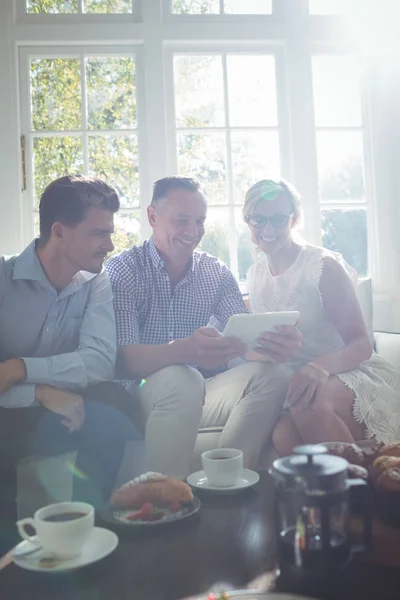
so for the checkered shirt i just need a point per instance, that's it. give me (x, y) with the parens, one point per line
(146, 310)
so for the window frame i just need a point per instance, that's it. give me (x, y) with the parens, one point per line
(220, 17)
(296, 32)
(22, 16)
(223, 49)
(26, 53)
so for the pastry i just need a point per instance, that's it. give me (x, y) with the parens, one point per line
(382, 463)
(350, 452)
(390, 480)
(153, 488)
(357, 472)
(390, 450)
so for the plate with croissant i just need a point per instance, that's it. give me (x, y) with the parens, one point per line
(380, 465)
(150, 500)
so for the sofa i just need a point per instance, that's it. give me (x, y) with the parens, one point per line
(36, 477)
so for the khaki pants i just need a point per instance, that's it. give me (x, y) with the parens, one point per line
(176, 401)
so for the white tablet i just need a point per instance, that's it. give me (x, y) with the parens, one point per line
(249, 327)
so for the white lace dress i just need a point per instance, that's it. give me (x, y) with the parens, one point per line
(375, 384)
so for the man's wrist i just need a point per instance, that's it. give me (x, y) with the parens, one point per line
(40, 392)
(17, 370)
(178, 352)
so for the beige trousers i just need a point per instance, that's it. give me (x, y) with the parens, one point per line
(176, 401)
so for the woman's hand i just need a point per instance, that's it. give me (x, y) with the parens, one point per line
(305, 387)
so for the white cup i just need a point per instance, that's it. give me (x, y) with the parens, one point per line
(223, 466)
(64, 537)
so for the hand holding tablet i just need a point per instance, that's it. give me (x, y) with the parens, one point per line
(250, 328)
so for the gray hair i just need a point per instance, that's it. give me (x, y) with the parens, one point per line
(163, 186)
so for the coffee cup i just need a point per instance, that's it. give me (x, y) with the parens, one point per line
(223, 466)
(61, 529)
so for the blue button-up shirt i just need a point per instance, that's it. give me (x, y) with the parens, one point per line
(149, 312)
(67, 339)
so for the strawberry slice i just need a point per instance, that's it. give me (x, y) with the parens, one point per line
(146, 509)
(137, 514)
(174, 506)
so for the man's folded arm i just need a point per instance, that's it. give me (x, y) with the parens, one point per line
(21, 395)
(94, 359)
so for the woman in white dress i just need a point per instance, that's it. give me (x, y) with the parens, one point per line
(340, 389)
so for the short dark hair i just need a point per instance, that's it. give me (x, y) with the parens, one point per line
(67, 199)
(163, 186)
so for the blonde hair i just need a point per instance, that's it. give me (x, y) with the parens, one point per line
(259, 192)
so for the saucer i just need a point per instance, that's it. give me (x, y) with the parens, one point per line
(100, 544)
(119, 517)
(200, 481)
(258, 595)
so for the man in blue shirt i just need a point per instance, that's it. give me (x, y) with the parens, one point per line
(165, 294)
(57, 341)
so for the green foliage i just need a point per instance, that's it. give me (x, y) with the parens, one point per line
(344, 183)
(195, 7)
(345, 231)
(107, 6)
(56, 94)
(111, 96)
(124, 240)
(115, 159)
(216, 242)
(52, 6)
(72, 6)
(54, 157)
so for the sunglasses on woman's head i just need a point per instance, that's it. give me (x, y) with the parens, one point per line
(259, 221)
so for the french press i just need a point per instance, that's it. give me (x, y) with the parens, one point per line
(312, 506)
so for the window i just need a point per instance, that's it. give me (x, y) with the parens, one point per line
(339, 140)
(83, 120)
(78, 6)
(226, 136)
(218, 89)
(215, 7)
(327, 7)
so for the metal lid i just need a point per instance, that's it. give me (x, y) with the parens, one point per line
(313, 468)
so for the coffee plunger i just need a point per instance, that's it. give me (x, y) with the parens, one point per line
(312, 516)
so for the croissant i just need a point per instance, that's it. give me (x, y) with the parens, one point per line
(152, 487)
(352, 453)
(390, 480)
(383, 463)
(390, 450)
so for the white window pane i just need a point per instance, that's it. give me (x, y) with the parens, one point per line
(337, 97)
(55, 94)
(111, 94)
(252, 90)
(54, 157)
(127, 231)
(195, 7)
(199, 95)
(248, 7)
(345, 231)
(255, 156)
(216, 237)
(245, 247)
(115, 158)
(203, 156)
(52, 6)
(327, 7)
(107, 6)
(340, 165)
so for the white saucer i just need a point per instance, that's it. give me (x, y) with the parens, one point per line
(200, 481)
(257, 595)
(100, 544)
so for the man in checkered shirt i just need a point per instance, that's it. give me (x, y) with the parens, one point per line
(165, 295)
